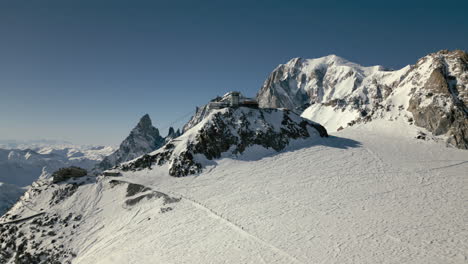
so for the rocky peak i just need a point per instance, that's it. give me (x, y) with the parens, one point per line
(172, 134)
(228, 132)
(145, 122)
(143, 139)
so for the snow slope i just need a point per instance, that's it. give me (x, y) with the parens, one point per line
(368, 194)
(21, 167)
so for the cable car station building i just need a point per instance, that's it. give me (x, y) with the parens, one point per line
(232, 99)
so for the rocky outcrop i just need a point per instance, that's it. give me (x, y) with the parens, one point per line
(143, 139)
(431, 94)
(440, 106)
(64, 174)
(29, 235)
(172, 133)
(200, 114)
(228, 131)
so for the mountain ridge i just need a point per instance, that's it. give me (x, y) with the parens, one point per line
(227, 131)
(338, 93)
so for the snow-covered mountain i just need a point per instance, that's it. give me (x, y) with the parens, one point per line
(269, 185)
(21, 167)
(35, 144)
(432, 94)
(242, 132)
(367, 194)
(143, 138)
(225, 132)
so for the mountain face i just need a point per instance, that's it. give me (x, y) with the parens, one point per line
(431, 94)
(143, 139)
(228, 131)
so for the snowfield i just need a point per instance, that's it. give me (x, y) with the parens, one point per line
(367, 194)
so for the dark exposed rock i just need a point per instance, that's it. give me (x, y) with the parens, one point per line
(153, 194)
(172, 134)
(230, 130)
(166, 209)
(15, 248)
(446, 112)
(133, 189)
(143, 138)
(64, 174)
(62, 193)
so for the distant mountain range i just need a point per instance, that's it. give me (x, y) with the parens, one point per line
(21, 167)
(33, 143)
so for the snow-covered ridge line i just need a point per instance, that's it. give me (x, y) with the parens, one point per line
(432, 94)
(227, 132)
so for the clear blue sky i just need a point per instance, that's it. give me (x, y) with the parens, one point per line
(85, 71)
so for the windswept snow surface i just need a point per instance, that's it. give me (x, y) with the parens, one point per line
(368, 194)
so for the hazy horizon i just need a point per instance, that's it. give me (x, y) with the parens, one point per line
(86, 71)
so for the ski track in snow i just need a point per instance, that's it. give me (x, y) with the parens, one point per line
(387, 200)
(358, 166)
(223, 220)
(236, 227)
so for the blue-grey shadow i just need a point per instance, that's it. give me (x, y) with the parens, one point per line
(296, 145)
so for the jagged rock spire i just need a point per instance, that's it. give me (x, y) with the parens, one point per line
(143, 138)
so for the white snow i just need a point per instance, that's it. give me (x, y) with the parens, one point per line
(329, 117)
(369, 194)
